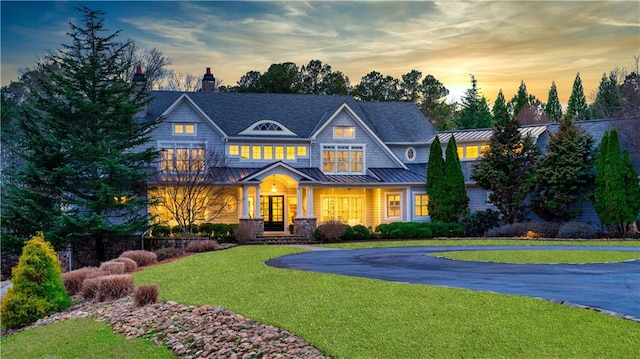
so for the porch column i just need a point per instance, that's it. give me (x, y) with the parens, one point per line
(310, 213)
(245, 201)
(257, 206)
(299, 193)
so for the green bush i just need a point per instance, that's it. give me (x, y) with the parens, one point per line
(424, 233)
(158, 230)
(576, 230)
(206, 228)
(383, 230)
(220, 231)
(447, 229)
(477, 224)
(357, 232)
(37, 286)
(396, 230)
(396, 234)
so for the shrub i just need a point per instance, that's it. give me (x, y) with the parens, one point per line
(97, 273)
(176, 230)
(525, 229)
(113, 267)
(216, 230)
(73, 280)
(198, 246)
(447, 229)
(114, 287)
(159, 230)
(145, 294)
(396, 234)
(141, 257)
(332, 230)
(576, 230)
(360, 232)
(206, 228)
(383, 230)
(244, 233)
(165, 253)
(129, 264)
(477, 224)
(37, 286)
(424, 233)
(90, 288)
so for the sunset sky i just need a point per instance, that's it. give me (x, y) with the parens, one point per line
(501, 43)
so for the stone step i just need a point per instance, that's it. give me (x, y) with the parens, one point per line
(283, 240)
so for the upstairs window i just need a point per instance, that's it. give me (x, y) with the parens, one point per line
(184, 128)
(268, 126)
(344, 132)
(343, 159)
(180, 159)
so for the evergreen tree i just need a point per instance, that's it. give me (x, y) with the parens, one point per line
(436, 180)
(457, 201)
(505, 169)
(500, 111)
(87, 159)
(617, 193)
(562, 177)
(607, 102)
(475, 109)
(553, 109)
(577, 106)
(521, 99)
(433, 104)
(281, 78)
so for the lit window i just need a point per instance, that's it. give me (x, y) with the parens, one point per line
(460, 152)
(268, 152)
(234, 150)
(291, 153)
(393, 206)
(184, 129)
(349, 210)
(279, 152)
(421, 205)
(257, 152)
(343, 159)
(244, 152)
(302, 151)
(183, 159)
(472, 152)
(344, 132)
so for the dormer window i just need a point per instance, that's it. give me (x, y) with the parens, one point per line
(344, 132)
(184, 128)
(268, 126)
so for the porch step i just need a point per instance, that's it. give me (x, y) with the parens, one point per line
(285, 239)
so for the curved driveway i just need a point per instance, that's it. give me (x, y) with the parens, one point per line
(610, 287)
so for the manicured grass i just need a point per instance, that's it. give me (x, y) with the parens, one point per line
(77, 338)
(364, 318)
(478, 242)
(540, 257)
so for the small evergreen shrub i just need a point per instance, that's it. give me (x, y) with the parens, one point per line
(166, 253)
(477, 224)
(129, 264)
(114, 287)
(396, 234)
(447, 229)
(576, 230)
(176, 230)
(141, 257)
(383, 230)
(37, 289)
(145, 294)
(198, 246)
(113, 267)
(332, 230)
(73, 280)
(206, 228)
(159, 230)
(424, 233)
(360, 232)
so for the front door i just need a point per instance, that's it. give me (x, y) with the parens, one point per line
(272, 210)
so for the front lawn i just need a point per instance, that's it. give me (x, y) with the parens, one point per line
(364, 318)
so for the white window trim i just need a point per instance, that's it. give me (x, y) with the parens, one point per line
(350, 197)
(413, 205)
(335, 158)
(336, 137)
(250, 130)
(406, 154)
(173, 128)
(386, 205)
(183, 144)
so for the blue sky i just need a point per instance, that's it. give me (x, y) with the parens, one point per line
(501, 43)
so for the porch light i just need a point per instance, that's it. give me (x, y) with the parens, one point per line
(274, 189)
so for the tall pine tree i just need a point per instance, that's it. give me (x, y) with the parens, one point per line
(617, 191)
(436, 180)
(457, 202)
(87, 159)
(553, 108)
(562, 177)
(505, 169)
(475, 110)
(577, 108)
(500, 110)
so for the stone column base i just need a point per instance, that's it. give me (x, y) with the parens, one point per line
(305, 227)
(256, 225)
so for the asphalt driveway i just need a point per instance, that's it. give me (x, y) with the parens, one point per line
(610, 287)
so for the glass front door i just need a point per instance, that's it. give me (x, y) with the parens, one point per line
(272, 210)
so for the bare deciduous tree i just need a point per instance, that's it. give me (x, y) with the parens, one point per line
(191, 185)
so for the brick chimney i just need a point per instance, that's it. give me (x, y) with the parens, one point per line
(140, 85)
(208, 81)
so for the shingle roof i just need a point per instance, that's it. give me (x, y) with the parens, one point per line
(302, 114)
